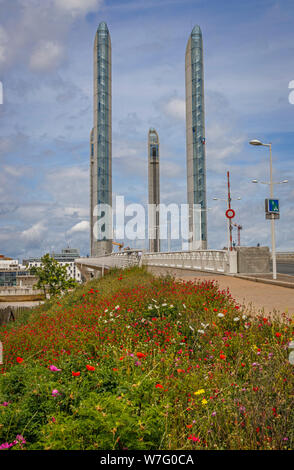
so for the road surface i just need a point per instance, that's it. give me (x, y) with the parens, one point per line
(285, 268)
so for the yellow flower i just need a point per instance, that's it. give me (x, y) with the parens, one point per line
(204, 402)
(199, 392)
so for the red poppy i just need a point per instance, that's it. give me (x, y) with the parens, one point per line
(75, 374)
(90, 367)
(278, 335)
(158, 386)
(19, 360)
(140, 355)
(222, 356)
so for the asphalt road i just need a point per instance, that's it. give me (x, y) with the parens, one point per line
(285, 268)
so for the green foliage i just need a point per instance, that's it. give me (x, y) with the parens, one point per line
(52, 277)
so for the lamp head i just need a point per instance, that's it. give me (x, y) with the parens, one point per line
(255, 142)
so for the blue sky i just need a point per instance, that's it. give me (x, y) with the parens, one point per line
(46, 67)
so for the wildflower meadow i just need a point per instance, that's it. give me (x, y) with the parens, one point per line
(135, 362)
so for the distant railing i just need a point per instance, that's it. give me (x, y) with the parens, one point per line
(113, 260)
(285, 255)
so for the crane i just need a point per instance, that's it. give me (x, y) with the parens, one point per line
(120, 245)
(239, 227)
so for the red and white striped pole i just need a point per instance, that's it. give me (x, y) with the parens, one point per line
(229, 207)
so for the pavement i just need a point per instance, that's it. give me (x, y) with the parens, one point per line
(256, 297)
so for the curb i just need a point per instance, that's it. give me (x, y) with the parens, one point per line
(290, 285)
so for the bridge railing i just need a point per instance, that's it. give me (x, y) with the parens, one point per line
(112, 260)
(204, 260)
(221, 261)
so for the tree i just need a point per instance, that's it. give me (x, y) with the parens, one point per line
(52, 277)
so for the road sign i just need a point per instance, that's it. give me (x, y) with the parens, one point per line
(230, 213)
(273, 206)
(272, 209)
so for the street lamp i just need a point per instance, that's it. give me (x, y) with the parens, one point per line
(271, 184)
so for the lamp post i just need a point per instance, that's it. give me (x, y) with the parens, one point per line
(271, 184)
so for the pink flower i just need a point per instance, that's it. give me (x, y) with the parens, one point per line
(54, 368)
(5, 446)
(55, 392)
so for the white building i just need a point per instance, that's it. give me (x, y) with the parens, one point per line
(66, 257)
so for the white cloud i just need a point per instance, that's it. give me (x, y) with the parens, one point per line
(47, 55)
(34, 233)
(82, 226)
(77, 7)
(176, 108)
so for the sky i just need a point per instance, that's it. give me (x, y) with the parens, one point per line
(46, 70)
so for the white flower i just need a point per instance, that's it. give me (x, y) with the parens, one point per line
(106, 310)
(220, 315)
(244, 317)
(201, 331)
(171, 305)
(163, 305)
(116, 307)
(236, 319)
(184, 306)
(191, 327)
(205, 326)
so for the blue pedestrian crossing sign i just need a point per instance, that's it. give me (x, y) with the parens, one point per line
(273, 206)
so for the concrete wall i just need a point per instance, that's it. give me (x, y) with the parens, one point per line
(253, 260)
(18, 294)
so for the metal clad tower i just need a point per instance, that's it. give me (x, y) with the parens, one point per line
(101, 144)
(195, 140)
(153, 190)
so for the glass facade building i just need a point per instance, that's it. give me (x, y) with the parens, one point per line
(153, 190)
(101, 146)
(195, 140)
